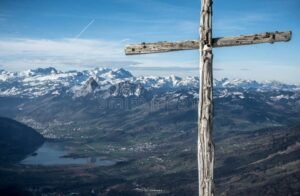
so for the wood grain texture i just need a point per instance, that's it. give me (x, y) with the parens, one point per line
(268, 37)
(205, 110)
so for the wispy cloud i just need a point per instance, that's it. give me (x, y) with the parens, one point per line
(19, 54)
(126, 40)
(59, 47)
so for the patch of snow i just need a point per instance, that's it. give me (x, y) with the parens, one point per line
(280, 97)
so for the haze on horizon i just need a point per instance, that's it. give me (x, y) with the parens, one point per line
(81, 35)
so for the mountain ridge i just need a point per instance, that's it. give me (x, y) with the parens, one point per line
(38, 82)
(17, 140)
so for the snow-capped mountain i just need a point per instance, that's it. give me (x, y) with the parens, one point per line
(38, 82)
(39, 72)
(53, 101)
(89, 87)
(42, 81)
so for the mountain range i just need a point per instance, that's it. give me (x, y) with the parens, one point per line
(50, 100)
(38, 82)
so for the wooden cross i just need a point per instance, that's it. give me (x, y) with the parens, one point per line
(205, 110)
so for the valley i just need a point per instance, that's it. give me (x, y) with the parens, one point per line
(262, 162)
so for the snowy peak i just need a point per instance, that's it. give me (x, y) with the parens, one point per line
(122, 73)
(91, 84)
(40, 72)
(117, 74)
(89, 87)
(6, 75)
(169, 82)
(253, 85)
(233, 83)
(126, 89)
(108, 73)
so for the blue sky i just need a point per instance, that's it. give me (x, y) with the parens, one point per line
(82, 34)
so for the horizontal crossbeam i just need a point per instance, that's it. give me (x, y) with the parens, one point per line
(269, 37)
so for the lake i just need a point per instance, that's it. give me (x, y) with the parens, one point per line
(52, 153)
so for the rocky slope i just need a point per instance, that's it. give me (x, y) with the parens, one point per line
(17, 141)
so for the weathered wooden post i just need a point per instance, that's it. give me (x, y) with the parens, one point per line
(205, 110)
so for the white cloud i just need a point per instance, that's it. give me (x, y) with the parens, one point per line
(20, 54)
(23, 53)
(126, 40)
(58, 48)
